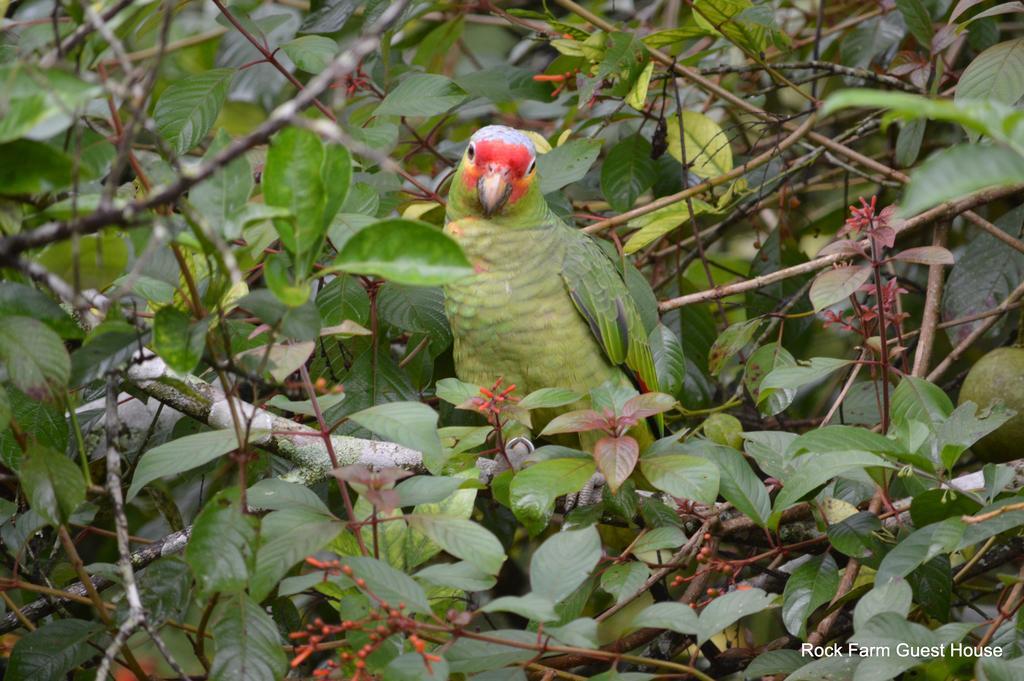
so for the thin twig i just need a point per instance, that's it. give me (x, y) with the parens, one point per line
(932, 303)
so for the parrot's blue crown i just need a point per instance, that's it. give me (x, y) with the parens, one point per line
(505, 134)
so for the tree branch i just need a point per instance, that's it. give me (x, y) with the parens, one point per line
(301, 445)
(130, 214)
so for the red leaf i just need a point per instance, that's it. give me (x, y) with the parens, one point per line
(576, 422)
(616, 458)
(648, 404)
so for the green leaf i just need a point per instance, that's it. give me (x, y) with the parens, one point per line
(739, 485)
(854, 535)
(566, 164)
(184, 454)
(37, 101)
(404, 251)
(918, 21)
(908, 143)
(305, 407)
(46, 423)
(336, 175)
(5, 409)
(389, 584)
(531, 606)
(110, 346)
(275, 494)
(426, 489)
(958, 171)
(921, 546)
(99, 258)
(178, 342)
(669, 360)
(468, 655)
(463, 539)
(993, 669)
(762, 362)
(534, 489)
(676, 617)
(52, 651)
(979, 532)
(627, 172)
(581, 633)
(28, 167)
(563, 562)
(292, 179)
(462, 575)
(708, 153)
(687, 29)
(504, 83)
(889, 628)
(286, 537)
(25, 301)
(422, 95)
(838, 667)
(660, 222)
(188, 107)
(624, 580)
(329, 16)
(547, 398)
(997, 74)
(774, 662)
(53, 484)
(659, 538)
(412, 424)
(222, 197)
(811, 585)
(730, 342)
(815, 369)
(837, 284)
(895, 596)
(683, 476)
(249, 645)
(34, 356)
(165, 588)
(730, 608)
(987, 270)
(412, 667)
(831, 438)
(916, 399)
(222, 547)
(21, 115)
(826, 465)
(925, 255)
(311, 53)
(417, 309)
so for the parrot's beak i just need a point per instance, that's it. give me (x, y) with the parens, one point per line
(493, 188)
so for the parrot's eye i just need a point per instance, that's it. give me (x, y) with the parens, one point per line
(471, 152)
(533, 165)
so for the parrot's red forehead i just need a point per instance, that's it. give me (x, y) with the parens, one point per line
(516, 157)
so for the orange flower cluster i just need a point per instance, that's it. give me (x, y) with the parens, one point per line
(494, 397)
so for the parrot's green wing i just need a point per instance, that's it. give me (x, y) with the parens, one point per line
(604, 301)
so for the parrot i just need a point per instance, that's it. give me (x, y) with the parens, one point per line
(546, 306)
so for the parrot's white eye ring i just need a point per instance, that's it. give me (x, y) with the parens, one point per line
(533, 165)
(471, 152)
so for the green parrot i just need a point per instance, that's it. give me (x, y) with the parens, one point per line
(546, 307)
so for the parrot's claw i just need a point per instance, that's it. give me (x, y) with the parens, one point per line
(517, 450)
(590, 494)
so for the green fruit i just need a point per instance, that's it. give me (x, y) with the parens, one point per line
(725, 430)
(999, 375)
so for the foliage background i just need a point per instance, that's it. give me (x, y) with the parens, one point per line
(206, 206)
